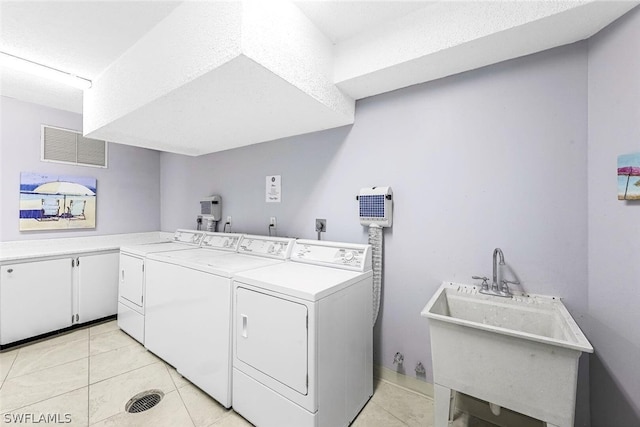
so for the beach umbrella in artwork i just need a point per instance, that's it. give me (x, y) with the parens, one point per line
(628, 171)
(63, 188)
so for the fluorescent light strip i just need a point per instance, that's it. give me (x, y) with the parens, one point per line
(20, 64)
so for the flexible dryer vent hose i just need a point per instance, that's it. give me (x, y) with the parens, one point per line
(375, 240)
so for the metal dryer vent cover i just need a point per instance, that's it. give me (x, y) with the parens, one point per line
(144, 401)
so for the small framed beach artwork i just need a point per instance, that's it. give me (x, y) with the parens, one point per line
(56, 202)
(629, 176)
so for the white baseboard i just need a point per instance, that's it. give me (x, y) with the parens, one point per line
(404, 381)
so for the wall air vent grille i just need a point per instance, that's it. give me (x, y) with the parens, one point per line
(67, 146)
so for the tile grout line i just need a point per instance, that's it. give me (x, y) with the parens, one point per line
(416, 393)
(406, 392)
(18, 350)
(393, 415)
(39, 350)
(46, 342)
(123, 347)
(225, 416)
(29, 346)
(40, 370)
(88, 376)
(9, 370)
(180, 395)
(43, 400)
(126, 372)
(113, 332)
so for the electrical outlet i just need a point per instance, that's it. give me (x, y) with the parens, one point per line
(321, 225)
(272, 221)
(229, 219)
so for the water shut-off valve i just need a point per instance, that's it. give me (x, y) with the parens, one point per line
(398, 359)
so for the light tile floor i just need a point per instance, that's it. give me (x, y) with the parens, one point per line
(87, 376)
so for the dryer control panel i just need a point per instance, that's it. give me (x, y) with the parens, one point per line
(348, 256)
(271, 247)
(193, 237)
(221, 241)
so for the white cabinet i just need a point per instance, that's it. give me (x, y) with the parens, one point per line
(97, 286)
(35, 298)
(41, 296)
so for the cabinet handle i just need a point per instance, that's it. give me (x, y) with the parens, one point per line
(122, 274)
(78, 262)
(10, 270)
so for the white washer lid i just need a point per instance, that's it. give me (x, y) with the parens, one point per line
(305, 281)
(190, 255)
(224, 264)
(148, 248)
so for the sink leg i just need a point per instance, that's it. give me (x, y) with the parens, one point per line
(442, 397)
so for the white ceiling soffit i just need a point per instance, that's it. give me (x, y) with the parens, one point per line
(452, 37)
(218, 75)
(39, 90)
(342, 20)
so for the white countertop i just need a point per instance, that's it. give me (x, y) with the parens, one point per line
(27, 249)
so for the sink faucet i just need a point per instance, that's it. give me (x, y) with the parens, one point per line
(496, 289)
(496, 252)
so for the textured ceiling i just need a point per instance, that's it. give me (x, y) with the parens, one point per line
(197, 77)
(341, 20)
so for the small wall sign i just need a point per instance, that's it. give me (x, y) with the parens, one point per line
(274, 189)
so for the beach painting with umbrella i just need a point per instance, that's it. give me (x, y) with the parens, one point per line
(56, 202)
(629, 176)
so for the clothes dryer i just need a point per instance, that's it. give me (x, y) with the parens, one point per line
(188, 308)
(302, 336)
(131, 284)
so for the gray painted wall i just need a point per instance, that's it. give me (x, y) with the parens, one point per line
(614, 226)
(495, 157)
(128, 190)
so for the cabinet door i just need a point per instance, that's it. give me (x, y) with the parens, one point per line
(97, 286)
(131, 279)
(35, 298)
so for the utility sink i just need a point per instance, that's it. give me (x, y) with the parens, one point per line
(519, 353)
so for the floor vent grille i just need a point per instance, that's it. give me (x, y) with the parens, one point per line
(144, 401)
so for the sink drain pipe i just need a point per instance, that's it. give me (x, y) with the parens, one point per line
(495, 409)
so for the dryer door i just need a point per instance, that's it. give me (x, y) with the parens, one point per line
(272, 337)
(131, 285)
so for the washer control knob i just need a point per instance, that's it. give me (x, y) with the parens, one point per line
(348, 257)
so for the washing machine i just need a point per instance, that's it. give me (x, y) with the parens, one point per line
(188, 308)
(303, 337)
(131, 284)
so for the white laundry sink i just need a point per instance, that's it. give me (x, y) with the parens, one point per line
(519, 353)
